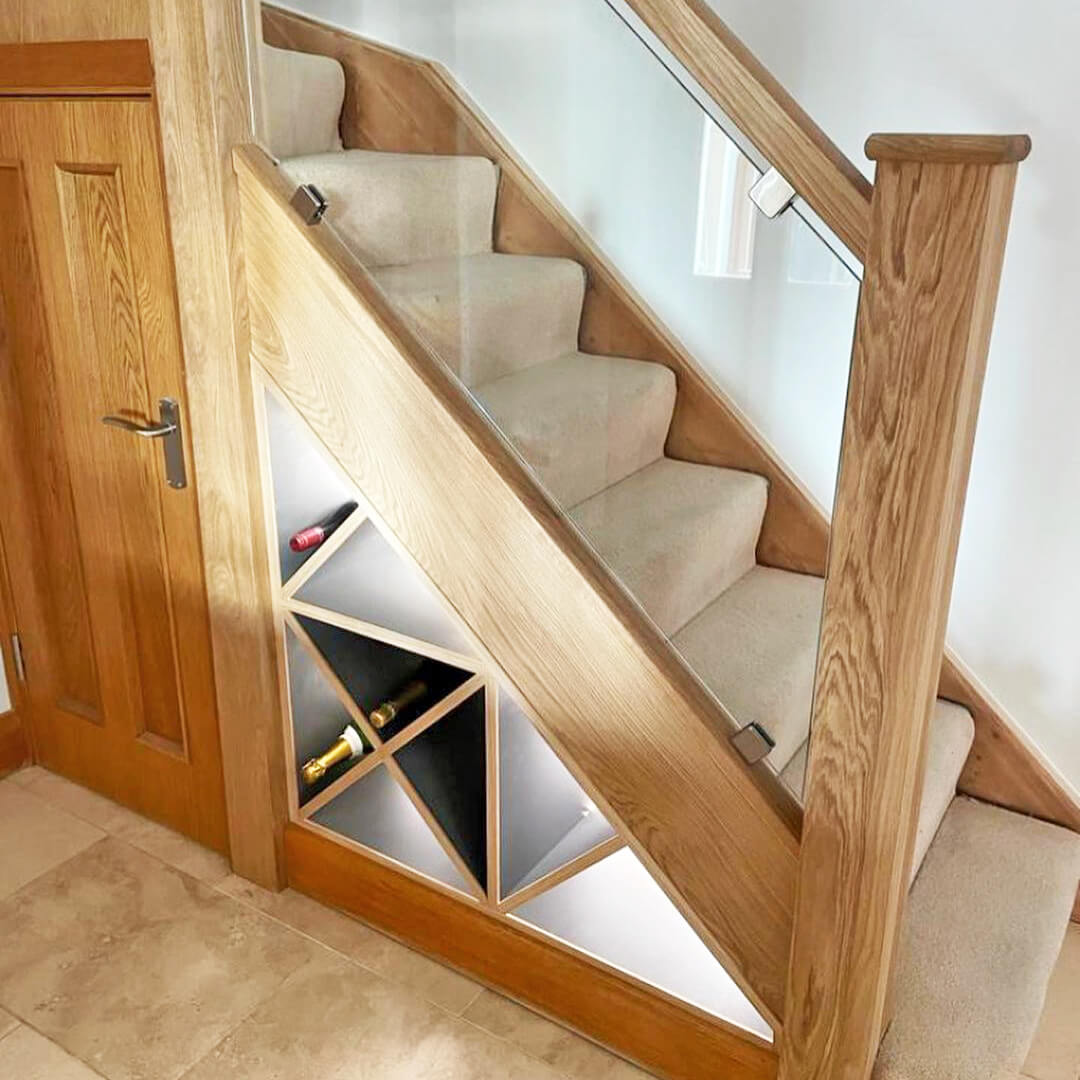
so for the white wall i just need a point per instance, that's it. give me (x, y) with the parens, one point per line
(984, 65)
(619, 143)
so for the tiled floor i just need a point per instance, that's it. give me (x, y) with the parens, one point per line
(129, 952)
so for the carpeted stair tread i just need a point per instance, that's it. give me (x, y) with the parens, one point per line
(490, 315)
(755, 647)
(952, 732)
(584, 422)
(304, 95)
(677, 534)
(392, 209)
(983, 930)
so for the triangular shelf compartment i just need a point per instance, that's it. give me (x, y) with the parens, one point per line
(319, 716)
(368, 580)
(377, 814)
(373, 671)
(447, 766)
(614, 911)
(547, 820)
(306, 485)
(428, 803)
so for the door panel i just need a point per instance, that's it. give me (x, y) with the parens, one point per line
(72, 669)
(120, 675)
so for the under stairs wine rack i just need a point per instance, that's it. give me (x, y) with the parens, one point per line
(460, 790)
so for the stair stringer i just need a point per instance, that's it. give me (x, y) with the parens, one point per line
(398, 102)
(612, 697)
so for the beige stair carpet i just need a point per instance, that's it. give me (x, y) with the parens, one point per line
(677, 535)
(583, 422)
(489, 315)
(984, 926)
(303, 95)
(391, 209)
(756, 648)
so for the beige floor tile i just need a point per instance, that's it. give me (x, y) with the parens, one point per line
(35, 836)
(567, 1052)
(337, 1021)
(134, 967)
(8, 1023)
(27, 775)
(29, 1056)
(1055, 1054)
(81, 801)
(366, 946)
(173, 848)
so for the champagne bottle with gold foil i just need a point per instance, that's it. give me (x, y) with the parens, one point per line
(348, 746)
(409, 694)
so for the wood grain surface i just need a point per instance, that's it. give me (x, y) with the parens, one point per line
(75, 68)
(125, 704)
(937, 243)
(611, 696)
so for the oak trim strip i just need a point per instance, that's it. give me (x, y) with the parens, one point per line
(932, 271)
(381, 633)
(563, 873)
(671, 1039)
(75, 68)
(765, 112)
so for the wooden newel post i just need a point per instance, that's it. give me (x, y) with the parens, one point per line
(939, 219)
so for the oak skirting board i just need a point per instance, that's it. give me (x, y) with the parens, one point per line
(658, 1034)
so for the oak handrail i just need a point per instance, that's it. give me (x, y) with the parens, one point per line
(765, 112)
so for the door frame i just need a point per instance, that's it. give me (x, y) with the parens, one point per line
(201, 91)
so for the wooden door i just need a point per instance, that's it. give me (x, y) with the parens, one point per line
(105, 557)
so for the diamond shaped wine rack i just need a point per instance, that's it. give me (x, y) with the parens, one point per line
(460, 789)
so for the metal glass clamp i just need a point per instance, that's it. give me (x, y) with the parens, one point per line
(754, 743)
(310, 203)
(772, 194)
(168, 430)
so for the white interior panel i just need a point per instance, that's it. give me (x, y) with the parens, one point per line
(547, 819)
(617, 913)
(375, 812)
(367, 579)
(307, 487)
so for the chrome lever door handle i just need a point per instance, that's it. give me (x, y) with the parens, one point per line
(145, 431)
(168, 430)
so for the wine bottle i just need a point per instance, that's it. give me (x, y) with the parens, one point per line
(409, 693)
(314, 535)
(348, 746)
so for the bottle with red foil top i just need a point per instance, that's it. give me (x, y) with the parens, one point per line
(311, 537)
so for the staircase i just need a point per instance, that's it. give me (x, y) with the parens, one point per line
(992, 889)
